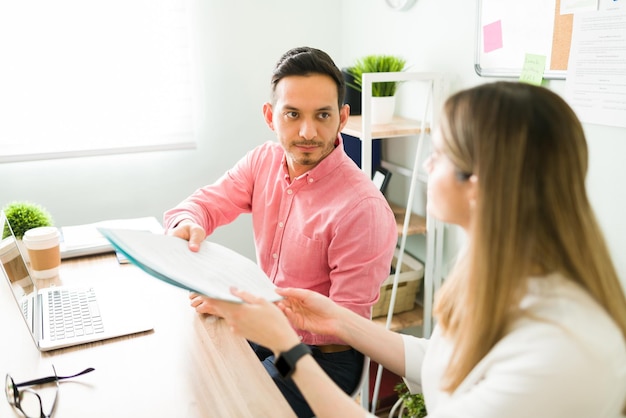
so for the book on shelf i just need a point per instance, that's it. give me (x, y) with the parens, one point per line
(212, 271)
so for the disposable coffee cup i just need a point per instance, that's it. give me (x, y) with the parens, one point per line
(44, 251)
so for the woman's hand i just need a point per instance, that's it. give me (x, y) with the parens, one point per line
(201, 303)
(310, 311)
(264, 323)
(255, 319)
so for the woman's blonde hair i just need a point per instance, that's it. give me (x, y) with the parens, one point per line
(528, 151)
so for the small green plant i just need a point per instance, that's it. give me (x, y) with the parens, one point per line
(377, 64)
(414, 406)
(23, 216)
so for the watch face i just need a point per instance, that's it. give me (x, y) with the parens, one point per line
(286, 361)
(400, 4)
(283, 368)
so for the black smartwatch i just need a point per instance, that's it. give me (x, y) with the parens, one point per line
(286, 361)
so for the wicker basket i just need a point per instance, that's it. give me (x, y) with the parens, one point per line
(409, 283)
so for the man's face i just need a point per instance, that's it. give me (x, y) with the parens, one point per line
(306, 119)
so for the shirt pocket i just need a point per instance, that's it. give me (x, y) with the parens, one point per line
(303, 258)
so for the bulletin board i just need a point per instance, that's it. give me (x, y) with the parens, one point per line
(507, 30)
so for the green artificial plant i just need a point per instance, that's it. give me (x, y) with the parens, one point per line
(377, 64)
(414, 406)
(23, 216)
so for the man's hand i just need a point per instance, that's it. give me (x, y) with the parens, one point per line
(189, 231)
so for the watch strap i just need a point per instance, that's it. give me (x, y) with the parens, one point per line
(286, 361)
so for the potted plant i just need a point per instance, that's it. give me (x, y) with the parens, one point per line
(382, 109)
(413, 405)
(23, 216)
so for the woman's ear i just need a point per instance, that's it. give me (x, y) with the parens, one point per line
(268, 115)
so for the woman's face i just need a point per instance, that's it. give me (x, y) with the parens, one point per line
(449, 195)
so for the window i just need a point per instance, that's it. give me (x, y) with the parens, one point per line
(95, 77)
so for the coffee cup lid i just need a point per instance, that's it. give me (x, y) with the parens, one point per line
(41, 238)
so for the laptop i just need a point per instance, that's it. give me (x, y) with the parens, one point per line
(64, 316)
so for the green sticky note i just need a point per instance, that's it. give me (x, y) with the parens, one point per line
(534, 66)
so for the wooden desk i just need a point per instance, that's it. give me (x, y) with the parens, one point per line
(190, 365)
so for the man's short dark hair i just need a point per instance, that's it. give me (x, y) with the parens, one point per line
(303, 61)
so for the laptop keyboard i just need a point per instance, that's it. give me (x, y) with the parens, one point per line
(73, 313)
(25, 306)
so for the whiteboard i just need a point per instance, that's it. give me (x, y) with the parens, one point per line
(507, 30)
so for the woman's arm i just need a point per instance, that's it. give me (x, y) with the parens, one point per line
(263, 323)
(325, 398)
(316, 313)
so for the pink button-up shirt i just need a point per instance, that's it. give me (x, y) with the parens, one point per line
(329, 230)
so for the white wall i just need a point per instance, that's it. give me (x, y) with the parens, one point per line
(239, 43)
(440, 36)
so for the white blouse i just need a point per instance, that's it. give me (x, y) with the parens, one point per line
(568, 361)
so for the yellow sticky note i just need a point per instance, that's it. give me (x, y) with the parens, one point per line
(534, 66)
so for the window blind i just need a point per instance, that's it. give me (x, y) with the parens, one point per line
(95, 77)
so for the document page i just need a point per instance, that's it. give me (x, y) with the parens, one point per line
(212, 271)
(596, 75)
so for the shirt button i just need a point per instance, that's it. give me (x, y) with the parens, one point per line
(310, 180)
(289, 191)
(280, 224)
(274, 256)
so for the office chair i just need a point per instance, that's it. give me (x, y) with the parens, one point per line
(363, 387)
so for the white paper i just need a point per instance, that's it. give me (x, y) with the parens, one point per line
(574, 6)
(212, 271)
(596, 77)
(85, 239)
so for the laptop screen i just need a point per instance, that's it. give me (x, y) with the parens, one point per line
(16, 271)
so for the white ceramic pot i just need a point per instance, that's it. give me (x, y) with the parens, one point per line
(383, 109)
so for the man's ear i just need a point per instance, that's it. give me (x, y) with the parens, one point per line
(268, 115)
(344, 114)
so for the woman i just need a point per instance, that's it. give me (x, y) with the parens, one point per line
(532, 319)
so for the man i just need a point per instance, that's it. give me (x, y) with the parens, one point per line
(319, 222)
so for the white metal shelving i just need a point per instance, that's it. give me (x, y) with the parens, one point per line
(360, 127)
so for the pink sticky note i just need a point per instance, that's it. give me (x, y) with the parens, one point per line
(492, 36)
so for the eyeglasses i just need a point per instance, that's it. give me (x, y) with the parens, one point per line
(27, 401)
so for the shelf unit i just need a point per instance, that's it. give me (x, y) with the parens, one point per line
(397, 127)
(408, 222)
(359, 127)
(404, 320)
